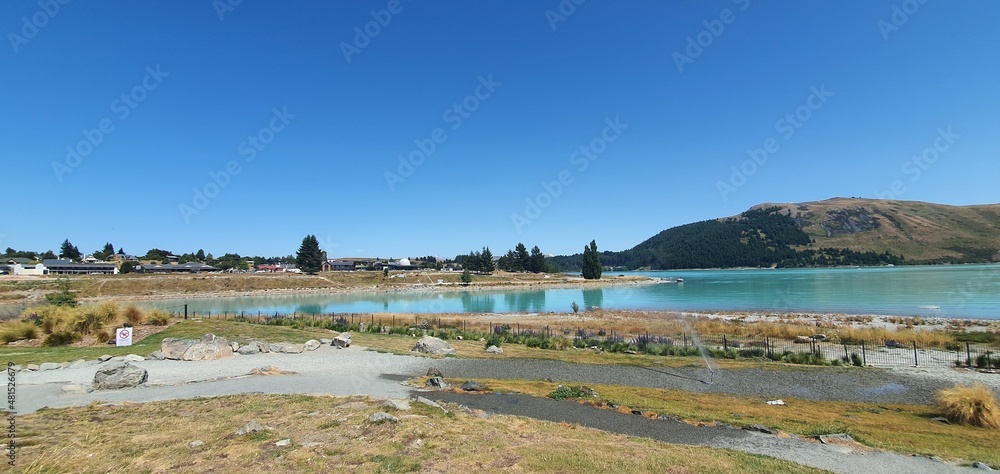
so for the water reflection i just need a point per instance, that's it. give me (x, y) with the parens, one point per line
(478, 302)
(525, 301)
(593, 298)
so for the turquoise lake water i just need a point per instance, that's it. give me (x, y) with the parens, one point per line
(966, 291)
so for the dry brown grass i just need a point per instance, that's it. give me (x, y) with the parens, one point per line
(334, 434)
(970, 405)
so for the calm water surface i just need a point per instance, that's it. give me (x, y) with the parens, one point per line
(970, 291)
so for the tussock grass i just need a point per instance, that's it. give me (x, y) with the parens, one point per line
(970, 405)
(18, 330)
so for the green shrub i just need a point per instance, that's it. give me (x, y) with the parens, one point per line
(576, 391)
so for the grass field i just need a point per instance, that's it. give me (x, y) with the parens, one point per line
(334, 434)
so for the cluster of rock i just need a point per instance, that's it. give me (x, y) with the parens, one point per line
(211, 347)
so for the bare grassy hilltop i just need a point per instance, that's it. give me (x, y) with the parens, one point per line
(921, 232)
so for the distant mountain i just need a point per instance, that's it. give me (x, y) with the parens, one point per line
(837, 231)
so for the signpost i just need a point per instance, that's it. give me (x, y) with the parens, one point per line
(123, 337)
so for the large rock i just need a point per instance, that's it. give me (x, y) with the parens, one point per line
(48, 366)
(253, 347)
(173, 348)
(283, 348)
(209, 347)
(311, 345)
(343, 340)
(494, 350)
(433, 345)
(117, 375)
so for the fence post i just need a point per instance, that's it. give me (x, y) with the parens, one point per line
(185, 311)
(685, 336)
(846, 356)
(864, 357)
(915, 354)
(725, 345)
(968, 355)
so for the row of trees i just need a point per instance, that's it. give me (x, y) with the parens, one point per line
(478, 262)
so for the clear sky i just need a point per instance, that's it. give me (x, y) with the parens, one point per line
(187, 125)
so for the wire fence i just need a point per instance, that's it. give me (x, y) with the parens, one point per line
(879, 353)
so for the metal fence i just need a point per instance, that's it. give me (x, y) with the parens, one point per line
(879, 353)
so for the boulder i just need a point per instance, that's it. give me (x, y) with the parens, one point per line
(471, 386)
(802, 339)
(173, 348)
(494, 350)
(118, 375)
(48, 366)
(982, 466)
(250, 349)
(156, 355)
(105, 357)
(433, 345)
(263, 346)
(134, 358)
(292, 349)
(397, 404)
(437, 382)
(342, 340)
(31, 367)
(311, 345)
(209, 347)
(283, 442)
(760, 429)
(430, 403)
(235, 346)
(434, 372)
(382, 417)
(326, 342)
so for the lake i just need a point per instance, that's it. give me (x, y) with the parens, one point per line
(958, 291)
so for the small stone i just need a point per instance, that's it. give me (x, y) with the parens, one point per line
(471, 386)
(156, 355)
(48, 366)
(196, 443)
(433, 345)
(251, 427)
(381, 417)
(311, 345)
(284, 442)
(434, 372)
(326, 342)
(494, 350)
(32, 367)
(941, 419)
(63, 365)
(979, 465)
(430, 403)
(133, 358)
(104, 358)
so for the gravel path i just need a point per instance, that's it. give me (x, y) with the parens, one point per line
(830, 383)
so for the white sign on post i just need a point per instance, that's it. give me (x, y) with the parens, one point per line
(123, 337)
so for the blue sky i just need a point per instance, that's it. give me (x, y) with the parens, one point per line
(244, 129)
